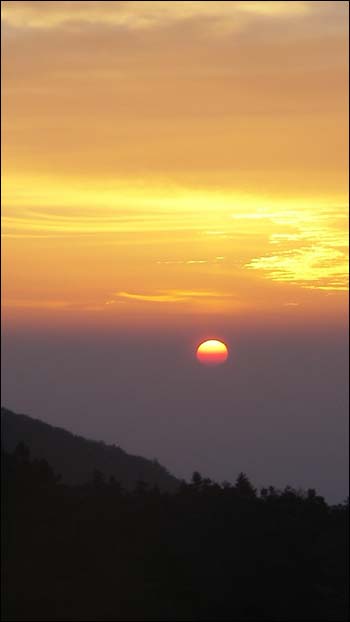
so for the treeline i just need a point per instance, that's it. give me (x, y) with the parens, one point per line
(206, 552)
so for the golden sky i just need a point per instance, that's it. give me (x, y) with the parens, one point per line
(169, 159)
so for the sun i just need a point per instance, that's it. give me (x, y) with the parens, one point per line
(212, 352)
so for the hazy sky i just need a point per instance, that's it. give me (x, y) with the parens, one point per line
(174, 171)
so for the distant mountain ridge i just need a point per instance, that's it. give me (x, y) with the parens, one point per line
(76, 458)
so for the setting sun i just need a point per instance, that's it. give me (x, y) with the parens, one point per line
(212, 352)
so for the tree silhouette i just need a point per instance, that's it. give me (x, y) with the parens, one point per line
(244, 488)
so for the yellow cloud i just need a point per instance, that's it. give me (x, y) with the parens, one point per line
(151, 297)
(312, 249)
(171, 296)
(316, 267)
(274, 8)
(142, 14)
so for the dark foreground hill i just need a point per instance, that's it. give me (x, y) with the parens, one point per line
(206, 552)
(76, 458)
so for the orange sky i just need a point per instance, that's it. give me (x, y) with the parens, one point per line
(174, 159)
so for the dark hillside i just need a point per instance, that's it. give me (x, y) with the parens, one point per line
(76, 458)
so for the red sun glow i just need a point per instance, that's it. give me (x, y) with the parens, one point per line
(212, 352)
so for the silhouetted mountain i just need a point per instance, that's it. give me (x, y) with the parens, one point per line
(76, 458)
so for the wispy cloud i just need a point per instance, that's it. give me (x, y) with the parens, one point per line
(310, 267)
(190, 262)
(181, 261)
(275, 8)
(174, 295)
(312, 254)
(145, 14)
(161, 297)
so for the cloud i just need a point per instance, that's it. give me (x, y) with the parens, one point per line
(162, 297)
(174, 295)
(274, 8)
(144, 14)
(310, 250)
(182, 261)
(313, 267)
